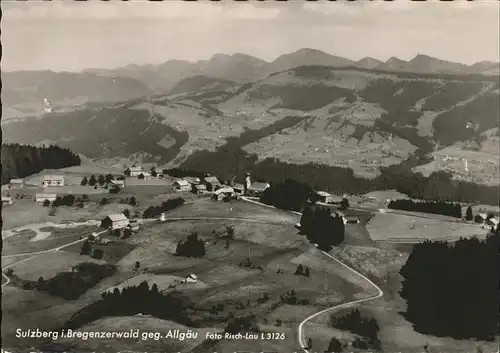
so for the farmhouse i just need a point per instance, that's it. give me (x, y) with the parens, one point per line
(115, 221)
(182, 185)
(144, 175)
(43, 197)
(199, 188)
(133, 171)
(118, 183)
(16, 184)
(222, 193)
(239, 188)
(53, 180)
(212, 183)
(192, 278)
(7, 200)
(256, 189)
(324, 197)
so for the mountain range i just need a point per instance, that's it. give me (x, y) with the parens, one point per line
(245, 68)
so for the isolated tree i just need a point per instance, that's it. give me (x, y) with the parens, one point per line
(299, 270)
(109, 177)
(126, 212)
(335, 346)
(101, 180)
(140, 176)
(309, 343)
(86, 248)
(344, 204)
(98, 254)
(153, 172)
(137, 265)
(132, 201)
(92, 180)
(85, 181)
(127, 172)
(46, 203)
(85, 198)
(9, 272)
(230, 232)
(41, 281)
(127, 233)
(468, 214)
(278, 322)
(306, 272)
(104, 201)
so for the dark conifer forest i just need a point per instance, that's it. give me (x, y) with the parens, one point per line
(452, 290)
(436, 207)
(321, 227)
(20, 161)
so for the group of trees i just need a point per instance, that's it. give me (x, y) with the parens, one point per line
(321, 227)
(20, 161)
(436, 207)
(192, 246)
(155, 211)
(452, 290)
(87, 250)
(360, 325)
(71, 285)
(131, 301)
(288, 195)
(67, 200)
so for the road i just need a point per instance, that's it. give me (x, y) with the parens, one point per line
(301, 335)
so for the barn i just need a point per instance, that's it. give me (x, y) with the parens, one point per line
(212, 183)
(182, 185)
(7, 200)
(256, 189)
(199, 188)
(115, 221)
(52, 180)
(16, 184)
(43, 197)
(133, 171)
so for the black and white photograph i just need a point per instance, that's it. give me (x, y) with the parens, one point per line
(250, 177)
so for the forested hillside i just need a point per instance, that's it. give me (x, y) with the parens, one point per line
(20, 161)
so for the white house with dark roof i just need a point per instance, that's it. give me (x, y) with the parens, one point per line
(182, 185)
(115, 221)
(16, 184)
(257, 188)
(53, 180)
(118, 183)
(7, 200)
(212, 183)
(133, 171)
(43, 197)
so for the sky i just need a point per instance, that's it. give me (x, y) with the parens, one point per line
(64, 35)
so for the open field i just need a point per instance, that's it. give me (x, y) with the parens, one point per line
(25, 242)
(210, 208)
(50, 264)
(26, 212)
(405, 228)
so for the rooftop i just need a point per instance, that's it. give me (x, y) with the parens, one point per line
(118, 217)
(182, 182)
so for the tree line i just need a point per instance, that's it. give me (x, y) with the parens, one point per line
(452, 290)
(435, 207)
(155, 211)
(130, 301)
(72, 284)
(20, 161)
(228, 162)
